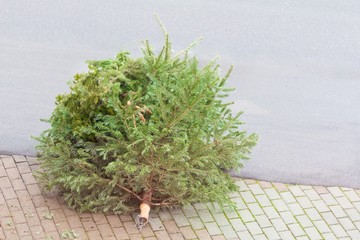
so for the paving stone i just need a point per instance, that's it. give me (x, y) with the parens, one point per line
(357, 224)
(240, 204)
(322, 226)
(354, 234)
(196, 223)
(263, 200)
(253, 228)
(336, 191)
(189, 211)
(8, 193)
(19, 158)
(296, 191)
(296, 209)
(74, 221)
(272, 194)
(121, 233)
(263, 221)
(13, 173)
(244, 235)
(18, 184)
(286, 235)
(271, 233)
(303, 238)
(171, 227)
(296, 230)
(205, 216)
(166, 215)
(106, 231)
(13, 205)
(188, 232)
(238, 225)
(212, 228)
(287, 217)
(246, 216)
(344, 202)
(221, 219)
(271, 212)
(256, 189)
(321, 190)
(99, 218)
(304, 202)
(176, 236)
(329, 218)
(234, 194)
(313, 214)
(147, 232)
(156, 224)
(255, 209)
(280, 205)
(150, 238)
(329, 199)
(249, 181)
(306, 187)
(202, 234)
(130, 228)
(279, 224)
(347, 224)
(28, 178)
(176, 211)
(113, 220)
(357, 205)
(242, 185)
(18, 217)
(312, 194)
(33, 189)
(353, 214)
(264, 184)
(94, 235)
(5, 182)
(218, 237)
(2, 171)
(320, 206)
(228, 232)
(230, 213)
(338, 211)
(304, 221)
(181, 220)
(280, 187)
(200, 206)
(260, 237)
(248, 197)
(352, 196)
(8, 162)
(216, 208)
(338, 230)
(312, 233)
(288, 197)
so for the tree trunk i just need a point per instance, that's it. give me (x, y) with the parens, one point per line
(145, 207)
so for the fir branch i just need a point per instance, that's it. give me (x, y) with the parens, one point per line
(107, 180)
(193, 44)
(185, 112)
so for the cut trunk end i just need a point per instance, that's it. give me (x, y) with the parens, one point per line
(145, 207)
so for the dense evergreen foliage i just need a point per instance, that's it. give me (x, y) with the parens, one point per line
(157, 124)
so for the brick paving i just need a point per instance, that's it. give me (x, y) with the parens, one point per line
(263, 211)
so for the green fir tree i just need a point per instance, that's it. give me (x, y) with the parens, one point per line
(152, 131)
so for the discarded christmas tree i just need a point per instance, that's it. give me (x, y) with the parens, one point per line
(152, 131)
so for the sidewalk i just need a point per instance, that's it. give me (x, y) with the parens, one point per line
(264, 211)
